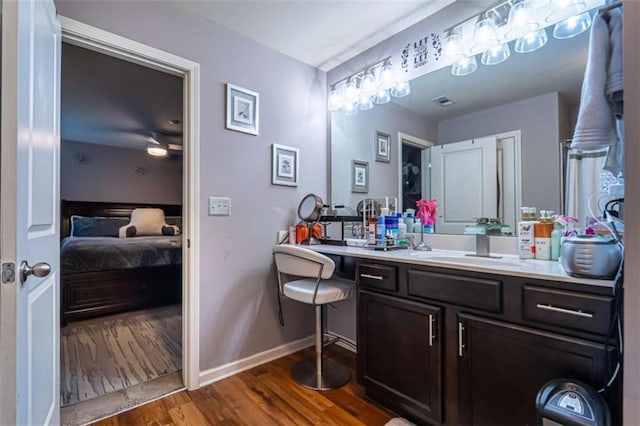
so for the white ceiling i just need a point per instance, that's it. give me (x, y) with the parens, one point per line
(321, 33)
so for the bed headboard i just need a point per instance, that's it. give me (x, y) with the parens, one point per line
(92, 208)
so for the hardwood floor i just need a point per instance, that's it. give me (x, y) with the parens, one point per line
(264, 395)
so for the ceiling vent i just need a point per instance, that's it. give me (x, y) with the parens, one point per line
(443, 101)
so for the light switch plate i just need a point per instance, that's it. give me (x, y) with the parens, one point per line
(219, 206)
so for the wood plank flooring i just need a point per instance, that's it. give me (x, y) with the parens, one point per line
(264, 395)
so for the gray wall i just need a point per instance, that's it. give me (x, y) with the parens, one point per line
(353, 138)
(238, 307)
(538, 119)
(110, 175)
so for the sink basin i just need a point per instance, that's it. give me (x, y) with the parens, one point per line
(478, 261)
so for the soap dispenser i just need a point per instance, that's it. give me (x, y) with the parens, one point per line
(526, 242)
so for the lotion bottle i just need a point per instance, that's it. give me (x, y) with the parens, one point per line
(526, 242)
(556, 240)
(542, 233)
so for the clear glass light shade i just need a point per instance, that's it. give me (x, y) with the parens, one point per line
(156, 151)
(365, 102)
(335, 100)
(531, 42)
(453, 47)
(573, 26)
(351, 109)
(387, 79)
(464, 66)
(484, 36)
(401, 89)
(559, 10)
(351, 92)
(368, 84)
(381, 97)
(522, 20)
(496, 55)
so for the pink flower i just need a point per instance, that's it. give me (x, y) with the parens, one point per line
(427, 211)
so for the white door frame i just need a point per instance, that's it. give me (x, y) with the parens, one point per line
(89, 37)
(419, 143)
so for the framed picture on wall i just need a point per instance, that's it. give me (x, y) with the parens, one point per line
(359, 176)
(383, 147)
(284, 165)
(243, 109)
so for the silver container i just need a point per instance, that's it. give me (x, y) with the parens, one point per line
(591, 256)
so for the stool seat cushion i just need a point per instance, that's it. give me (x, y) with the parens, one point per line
(331, 290)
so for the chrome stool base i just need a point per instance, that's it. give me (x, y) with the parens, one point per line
(333, 375)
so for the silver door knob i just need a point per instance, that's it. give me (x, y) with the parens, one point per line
(41, 270)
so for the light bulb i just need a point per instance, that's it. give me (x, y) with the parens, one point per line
(351, 91)
(531, 42)
(401, 89)
(453, 47)
(495, 55)
(485, 36)
(387, 78)
(156, 151)
(464, 67)
(559, 10)
(335, 100)
(368, 84)
(572, 26)
(351, 109)
(521, 20)
(365, 102)
(381, 97)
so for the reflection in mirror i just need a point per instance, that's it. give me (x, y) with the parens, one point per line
(496, 136)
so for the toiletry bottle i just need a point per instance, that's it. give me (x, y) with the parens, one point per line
(393, 220)
(409, 221)
(373, 224)
(381, 232)
(526, 244)
(417, 224)
(402, 232)
(556, 239)
(542, 235)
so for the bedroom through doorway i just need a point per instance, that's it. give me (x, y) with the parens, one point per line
(121, 186)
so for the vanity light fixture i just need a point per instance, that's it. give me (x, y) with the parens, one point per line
(522, 21)
(572, 26)
(359, 92)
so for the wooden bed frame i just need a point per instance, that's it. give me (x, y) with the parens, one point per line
(93, 294)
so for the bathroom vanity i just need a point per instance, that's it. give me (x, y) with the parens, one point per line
(444, 338)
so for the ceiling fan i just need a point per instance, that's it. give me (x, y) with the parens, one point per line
(156, 148)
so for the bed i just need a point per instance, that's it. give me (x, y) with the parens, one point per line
(103, 274)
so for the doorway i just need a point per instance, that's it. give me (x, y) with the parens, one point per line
(83, 36)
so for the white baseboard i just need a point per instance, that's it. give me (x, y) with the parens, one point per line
(222, 372)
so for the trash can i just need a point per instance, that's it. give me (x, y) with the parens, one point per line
(569, 402)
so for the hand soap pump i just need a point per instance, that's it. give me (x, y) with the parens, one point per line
(556, 238)
(526, 242)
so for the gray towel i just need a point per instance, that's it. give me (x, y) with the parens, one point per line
(595, 128)
(615, 77)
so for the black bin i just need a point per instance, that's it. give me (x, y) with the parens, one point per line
(569, 402)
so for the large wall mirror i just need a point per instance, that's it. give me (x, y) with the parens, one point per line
(495, 148)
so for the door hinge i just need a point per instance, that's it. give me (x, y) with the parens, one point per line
(8, 273)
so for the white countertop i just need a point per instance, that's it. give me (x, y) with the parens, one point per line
(505, 265)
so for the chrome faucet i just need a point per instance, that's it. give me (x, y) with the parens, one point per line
(483, 245)
(481, 230)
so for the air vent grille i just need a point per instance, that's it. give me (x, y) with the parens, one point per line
(443, 101)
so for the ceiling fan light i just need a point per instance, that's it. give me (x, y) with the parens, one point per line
(559, 10)
(531, 42)
(572, 26)
(464, 67)
(496, 55)
(156, 151)
(522, 20)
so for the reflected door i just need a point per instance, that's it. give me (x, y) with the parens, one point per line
(464, 182)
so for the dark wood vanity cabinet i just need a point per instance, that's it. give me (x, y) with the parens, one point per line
(443, 346)
(401, 361)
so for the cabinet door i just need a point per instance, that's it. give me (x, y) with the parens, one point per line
(502, 367)
(399, 354)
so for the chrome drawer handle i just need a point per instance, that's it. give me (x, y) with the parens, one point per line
(431, 330)
(373, 277)
(564, 311)
(460, 339)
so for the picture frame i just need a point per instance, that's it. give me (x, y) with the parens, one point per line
(359, 176)
(243, 109)
(382, 146)
(284, 165)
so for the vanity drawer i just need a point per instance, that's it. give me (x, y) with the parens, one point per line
(477, 293)
(380, 277)
(578, 311)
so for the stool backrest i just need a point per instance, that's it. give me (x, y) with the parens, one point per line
(299, 261)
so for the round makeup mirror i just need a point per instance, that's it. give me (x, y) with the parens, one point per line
(309, 211)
